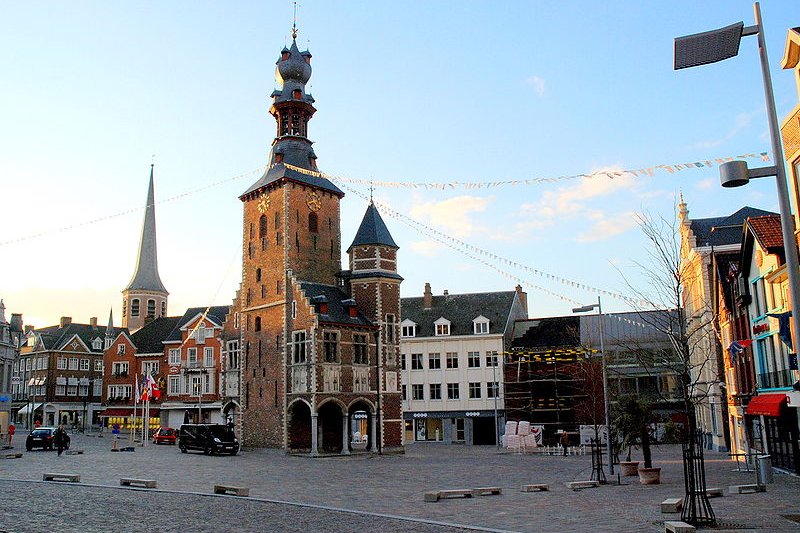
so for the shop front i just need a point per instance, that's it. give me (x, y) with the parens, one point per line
(774, 430)
(453, 427)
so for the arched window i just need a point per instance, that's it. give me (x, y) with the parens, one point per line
(151, 308)
(164, 308)
(312, 223)
(262, 226)
(135, 307)
(277, 220)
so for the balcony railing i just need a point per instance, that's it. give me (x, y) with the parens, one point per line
(776, 379)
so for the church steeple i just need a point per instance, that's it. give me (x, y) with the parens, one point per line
(145, 297)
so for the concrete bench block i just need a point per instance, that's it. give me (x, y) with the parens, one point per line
(133, 482)
(672, 505)
(12, 456)
(72, 478)
(487, 491)
(435, 496)
(714, 492)
(535, 487)
(74, 452)
(746, 489)
(678, 527)
(232, 490)
(578, 485)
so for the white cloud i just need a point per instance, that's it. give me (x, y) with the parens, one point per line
(452, 216)
(426, 248)
(607, 227)
(705, 184)
(742, 121)
(537, 84)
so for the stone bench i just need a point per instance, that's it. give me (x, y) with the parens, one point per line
(578, 485)
(436, 495)
(536, 487)
(232, 490)
(72, 478)
(12, 456)
(74, 452)
(714, 492)
(672, 505)
(487, 491)
(746, 489)
(678, 527)
(133, 482)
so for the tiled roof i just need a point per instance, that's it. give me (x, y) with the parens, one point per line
(373, 230)
(217, 313)
(150, 338)
(727, 230)
(767, 230)
(460, 310)
(337, 300)
(56, 337)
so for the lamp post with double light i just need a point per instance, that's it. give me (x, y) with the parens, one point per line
(600, 318)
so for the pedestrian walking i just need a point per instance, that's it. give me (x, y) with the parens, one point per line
(564, 441)
(60, 438)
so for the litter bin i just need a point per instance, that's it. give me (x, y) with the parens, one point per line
(763, 470)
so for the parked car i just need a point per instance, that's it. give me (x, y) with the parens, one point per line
(165, 435)
(210, 438)
(43, 437)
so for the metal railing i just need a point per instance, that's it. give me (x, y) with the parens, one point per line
(776, 379)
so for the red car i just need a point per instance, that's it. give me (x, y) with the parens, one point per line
(165, 435)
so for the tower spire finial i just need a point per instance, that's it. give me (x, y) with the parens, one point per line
(371, 190)
(294, 21)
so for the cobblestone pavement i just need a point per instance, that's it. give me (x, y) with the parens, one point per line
(387, 485)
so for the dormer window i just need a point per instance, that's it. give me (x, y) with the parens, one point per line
(297, 94)
(278, 158)
(442, 327)
(408, 328)
(480, 325)
(97, 344)
(284, 55)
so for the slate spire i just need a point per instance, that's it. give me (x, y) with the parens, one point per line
(373, 230)
(146, 275)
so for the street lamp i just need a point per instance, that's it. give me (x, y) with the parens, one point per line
(586, 309)
(717, 45)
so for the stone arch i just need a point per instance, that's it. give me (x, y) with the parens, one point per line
(331, 423)
(298, 418)
(361, 424)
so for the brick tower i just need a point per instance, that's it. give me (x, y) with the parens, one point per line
(310, 365)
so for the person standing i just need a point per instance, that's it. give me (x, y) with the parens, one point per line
(60, 439)
(564, 441)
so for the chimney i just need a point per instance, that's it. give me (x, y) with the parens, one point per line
(65, 321)
(28, 328)
(446, 292)
(93, 322)
(523, 298)
(427, 300)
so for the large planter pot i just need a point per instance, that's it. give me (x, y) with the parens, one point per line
(650, 476)
(629, 468)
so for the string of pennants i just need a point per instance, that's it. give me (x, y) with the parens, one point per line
(646, 171)
(452, 242)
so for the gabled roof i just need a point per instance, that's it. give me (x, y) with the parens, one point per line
(373, 230)
(766, 230)
(338, 304)
(150, 338)
(460, 310)
(56, 337)
(726, 230)
(217, 313)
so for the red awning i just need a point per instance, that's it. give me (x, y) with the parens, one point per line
(128, 411)
(766, 404)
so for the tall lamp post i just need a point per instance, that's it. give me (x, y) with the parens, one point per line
(717, 45)
(609, 445)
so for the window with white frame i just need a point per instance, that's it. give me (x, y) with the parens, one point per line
(72, 390)
(434, 360)
(119, 391)
(491, 358)
(150, 368)
(298, 347)
(174, 356)
(61, 390)
(233, 354)
(442, 327)
(174, 385)
(402, 361)
(85, 365)
(97, 344)
(408, 328)
(191, 356)
(61, 363)
(83, 390)
(196, 385)
(436, 391)
(453, 391)
(208, 356)
(474, 391)
(120, 349)
(452, 359)
(493, 389)
(417, 391)
(206, 383)
(416, 361)
(474, 359)
(200, 334)
(98, 365)
(73, 363)
(480, 326)
(120, 368)
(98, 387)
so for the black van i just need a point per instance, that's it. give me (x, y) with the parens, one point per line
(210, 438)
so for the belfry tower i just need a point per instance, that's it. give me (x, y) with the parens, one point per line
(145, 297)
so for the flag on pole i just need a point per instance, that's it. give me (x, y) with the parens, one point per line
(145, 392)
(136, 395)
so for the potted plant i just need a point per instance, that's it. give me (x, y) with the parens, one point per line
(634, 416)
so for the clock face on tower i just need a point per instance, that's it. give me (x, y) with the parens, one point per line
(313, 201)
(263, 203)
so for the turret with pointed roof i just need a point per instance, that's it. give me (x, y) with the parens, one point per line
(145, 297)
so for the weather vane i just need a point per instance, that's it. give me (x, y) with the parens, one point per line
(294, 21)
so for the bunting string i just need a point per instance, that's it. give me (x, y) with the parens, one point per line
(470, 185)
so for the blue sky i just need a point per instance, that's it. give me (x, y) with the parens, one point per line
(406, 92)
